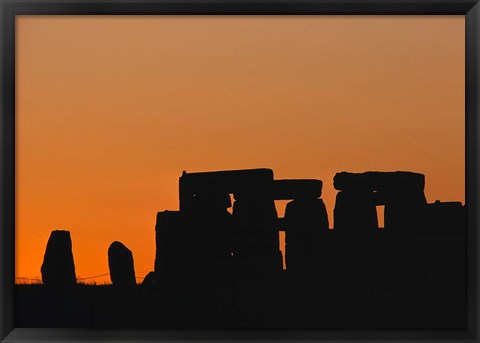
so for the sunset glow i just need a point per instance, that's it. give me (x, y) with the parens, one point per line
(111, 109)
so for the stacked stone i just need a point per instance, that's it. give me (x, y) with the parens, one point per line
(193, 185)
(246, 241)
(402, 193)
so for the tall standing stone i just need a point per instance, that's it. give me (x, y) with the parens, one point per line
(120, 262)
(306, 222)
(58, 268)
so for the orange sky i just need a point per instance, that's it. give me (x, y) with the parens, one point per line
(110, 110)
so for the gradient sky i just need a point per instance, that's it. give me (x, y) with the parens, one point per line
(111, 110)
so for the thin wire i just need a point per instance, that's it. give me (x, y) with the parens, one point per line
(93, 277)
(78, 279)
(27, 278)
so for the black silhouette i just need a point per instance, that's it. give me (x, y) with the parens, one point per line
(149, 280)
(120, 263)
(306, 224)
(400, 192)
(216, 269)
(58, 268)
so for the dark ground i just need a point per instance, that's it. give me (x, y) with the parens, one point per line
(401, 282)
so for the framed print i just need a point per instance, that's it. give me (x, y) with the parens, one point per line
(248, 170)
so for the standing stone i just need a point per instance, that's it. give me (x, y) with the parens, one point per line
(58, 268)
(172, 243)
(120, 262)
(355, 212)
(306, 215)
(257, 243)
(306, 222)
(149, 280)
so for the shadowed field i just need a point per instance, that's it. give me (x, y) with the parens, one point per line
(426, 290)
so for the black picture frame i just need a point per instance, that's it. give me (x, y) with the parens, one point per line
(10, 8)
